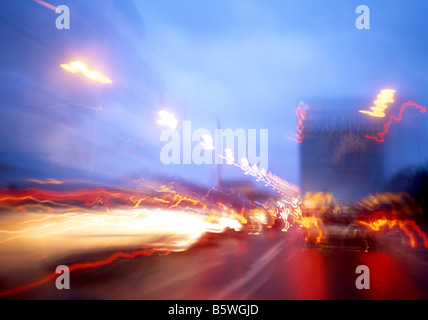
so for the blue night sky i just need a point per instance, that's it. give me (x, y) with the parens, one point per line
(246, 63)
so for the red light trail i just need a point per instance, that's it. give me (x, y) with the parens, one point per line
(85, 265)
(381, 138)
(301, 114)
(380, 223)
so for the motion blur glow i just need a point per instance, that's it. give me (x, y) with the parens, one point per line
(397, 119)
(171, 230)
(284, 209)
(385, 97)
(96, 200)
(320, 203)
(207, 142)
(229, 157)
(312, 225)
(168, 120)
(81, 67)
(118, 222)
(163, 220)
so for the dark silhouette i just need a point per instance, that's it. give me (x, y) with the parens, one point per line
(414, 181)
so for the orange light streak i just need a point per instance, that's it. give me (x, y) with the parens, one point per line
(45, 217)
(241, 218)
(94, 197)
(310, 223)
(378, 224)
(53, 202)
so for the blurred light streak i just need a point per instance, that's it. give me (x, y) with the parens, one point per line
(64, 208)
(47, 181)
(81, 67)
(89, 197)
(165, 219)
(283, 187)
(167, 119)
(219, 224)
(100, 198)
(286, 208)
(76, 220)
(320, 203)
(124, 222)
(312, 225)
(258, 220)
(386, 96)
(301, 114)
(45, 4)
(239, 217)
(399, 204)
(229, 157)
(103, 199)
(179, 230)
(379, 223)
(381, 138)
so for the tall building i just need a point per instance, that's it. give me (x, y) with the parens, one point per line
(335, 154)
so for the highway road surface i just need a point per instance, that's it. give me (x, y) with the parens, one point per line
(270, 266)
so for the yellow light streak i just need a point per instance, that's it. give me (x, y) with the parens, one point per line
(81, 67)
(386, 96)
